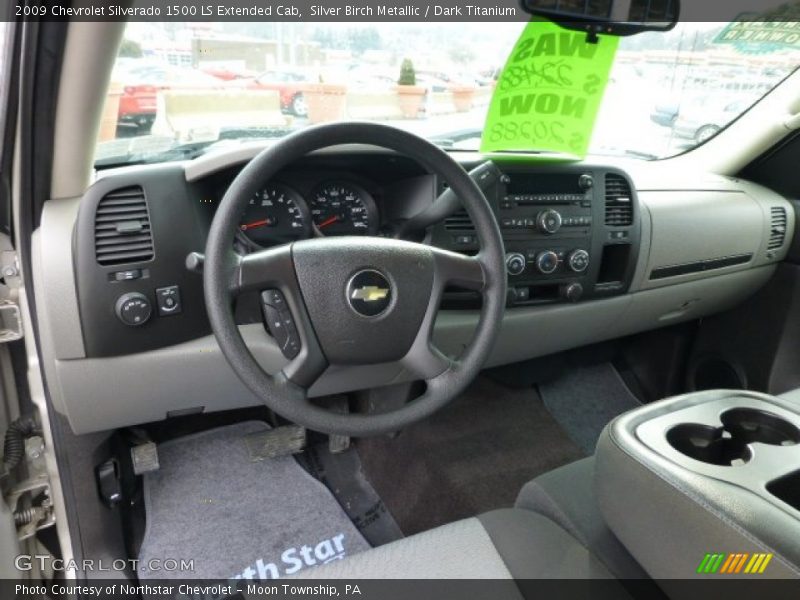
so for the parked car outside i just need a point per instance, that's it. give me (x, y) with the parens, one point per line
(700, 123)
(290, 86)
(665, 114)
(226, 73)
(141, 84)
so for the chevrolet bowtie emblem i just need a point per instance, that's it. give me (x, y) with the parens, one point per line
(369, 293)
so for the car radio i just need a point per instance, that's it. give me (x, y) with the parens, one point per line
(557, 232)
(546, 221)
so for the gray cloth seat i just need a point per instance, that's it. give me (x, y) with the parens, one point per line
(502, 544)
(566, 496)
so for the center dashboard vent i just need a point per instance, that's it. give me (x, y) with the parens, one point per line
(619, 201)
(777, 230)
(459, 221)
(122, 231)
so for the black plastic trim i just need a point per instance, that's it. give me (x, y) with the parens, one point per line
(700, 266)
(177, 228)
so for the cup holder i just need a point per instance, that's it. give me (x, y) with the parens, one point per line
(708, 444)
(751, 425)
(729, 445)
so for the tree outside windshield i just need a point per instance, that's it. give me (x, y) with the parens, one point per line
(179, 89)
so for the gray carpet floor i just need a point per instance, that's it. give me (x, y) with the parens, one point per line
(584, 401)
(237, 517)
(472, 456)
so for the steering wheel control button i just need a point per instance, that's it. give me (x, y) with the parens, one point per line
(578, 260)
(168, 300)
(369, 293)
(133, 309)
(280, 323)
(515, 263)
(548, 221)
(547, 262)
(274, 298)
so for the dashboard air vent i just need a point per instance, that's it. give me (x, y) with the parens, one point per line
(777, 231)
(122, 228)
(619, 201)
(459, 221)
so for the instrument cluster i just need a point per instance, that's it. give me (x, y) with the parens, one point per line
(279, 214)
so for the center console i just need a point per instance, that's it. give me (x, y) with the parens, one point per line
(570, 235)
(705, 484)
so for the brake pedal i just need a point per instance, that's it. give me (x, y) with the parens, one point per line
(280, 441)
(338, 443)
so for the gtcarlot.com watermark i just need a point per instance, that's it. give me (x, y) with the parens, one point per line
(26, 562)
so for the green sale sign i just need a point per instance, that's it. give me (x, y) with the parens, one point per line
(549, 91)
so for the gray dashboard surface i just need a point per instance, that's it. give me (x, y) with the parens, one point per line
(685, 217)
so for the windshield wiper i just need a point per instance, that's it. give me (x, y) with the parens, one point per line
(640, 154)
(154, 149)
(450, 139)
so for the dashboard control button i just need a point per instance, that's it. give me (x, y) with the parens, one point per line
(547, 262)
(548, 221)
(586, 182)
(128, 275)
(572, 291)
(280, 323)
(168, 300)
(522, 294)
(465, 240)
(133, 309)
(578, 260)
(515, 263)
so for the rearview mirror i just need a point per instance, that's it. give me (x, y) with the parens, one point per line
(614, 17)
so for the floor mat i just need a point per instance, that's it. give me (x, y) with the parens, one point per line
(585, 400)
(235, 517)
(472, 456)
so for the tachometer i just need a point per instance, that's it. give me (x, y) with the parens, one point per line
(343, 209)
(275, 215)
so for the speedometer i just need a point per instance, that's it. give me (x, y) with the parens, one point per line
(275, 215)
(343, 209)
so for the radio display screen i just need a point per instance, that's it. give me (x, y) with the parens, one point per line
(546, 183)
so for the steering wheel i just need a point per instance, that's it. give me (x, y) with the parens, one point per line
(354, 300)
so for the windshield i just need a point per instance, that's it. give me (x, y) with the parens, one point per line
(179, 89)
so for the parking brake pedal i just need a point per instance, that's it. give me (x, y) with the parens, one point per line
(281, 441)
(144, 458)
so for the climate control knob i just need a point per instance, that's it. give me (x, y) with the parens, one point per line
(133, 309)
(578, 260)
(547, 262)
(548, 221)
(515, 263)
